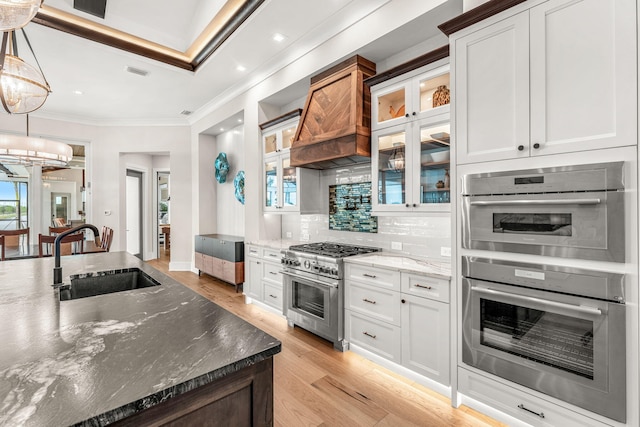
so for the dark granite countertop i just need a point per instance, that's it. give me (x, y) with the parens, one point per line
(95, 360)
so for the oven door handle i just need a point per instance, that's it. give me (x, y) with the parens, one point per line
(570, 307)
(536, 202)
(319, 282)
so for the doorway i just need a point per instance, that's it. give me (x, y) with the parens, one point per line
(163, 214)
(60, 205)
(134, 197)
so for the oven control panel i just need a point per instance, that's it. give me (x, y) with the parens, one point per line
(329, 268)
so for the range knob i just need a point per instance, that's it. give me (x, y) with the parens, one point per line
(295, 262)
(284, 260)
(334, 271)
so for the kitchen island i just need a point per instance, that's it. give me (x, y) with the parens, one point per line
(161, 353)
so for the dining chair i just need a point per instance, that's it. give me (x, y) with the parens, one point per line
(57, 230)
(8, 235)
(59, 222)
(46, 244)
(106, 239)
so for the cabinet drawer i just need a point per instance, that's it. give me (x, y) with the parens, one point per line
(425, 286)
(378, 337)
(272, 254)
(513, 402)
(271, 272)
(272, 295)
(381, 304)
(388, 279)
(215, 266)
(254, 251)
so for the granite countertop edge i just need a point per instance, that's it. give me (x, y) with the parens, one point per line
(403, 263)
(149, 401)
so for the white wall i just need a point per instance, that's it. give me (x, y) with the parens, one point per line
(230, 218)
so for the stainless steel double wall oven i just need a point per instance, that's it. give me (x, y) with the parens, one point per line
(559, 330)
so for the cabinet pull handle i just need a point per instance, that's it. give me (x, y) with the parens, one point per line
(369, 335)
(372, 276)
(273, 296)
(369, 301)
(273, 272)
(273, 256)
(520, 147)
(423, 286)
(540, 414)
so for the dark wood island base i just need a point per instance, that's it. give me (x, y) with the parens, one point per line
(244, 398)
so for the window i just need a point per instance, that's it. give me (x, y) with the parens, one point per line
(14, 205)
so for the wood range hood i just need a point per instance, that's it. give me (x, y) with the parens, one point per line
(335, 126)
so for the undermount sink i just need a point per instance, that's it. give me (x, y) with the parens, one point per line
(106, 282)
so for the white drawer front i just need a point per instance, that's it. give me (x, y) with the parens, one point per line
(272, 295)
(271, 254)
(378, 337)
(388, 279)
(271, 272)
(519, 404)
(381, 304)
(254, 251)
(425, 286)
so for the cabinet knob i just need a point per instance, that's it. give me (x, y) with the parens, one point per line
(415, 205)
(407, 205)
(414, 113)
(520, 147)
(536, 145)
(406, 115)
(403, 301)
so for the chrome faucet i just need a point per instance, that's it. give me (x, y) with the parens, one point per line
(57, 270)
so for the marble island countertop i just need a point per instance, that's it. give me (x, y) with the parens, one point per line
(92, 361)
(403, 263)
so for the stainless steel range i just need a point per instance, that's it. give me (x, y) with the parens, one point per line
(313, 288)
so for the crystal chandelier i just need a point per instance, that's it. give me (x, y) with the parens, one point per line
(23, 88)
(17, 13)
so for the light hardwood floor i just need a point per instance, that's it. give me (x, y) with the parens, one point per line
(315, 385)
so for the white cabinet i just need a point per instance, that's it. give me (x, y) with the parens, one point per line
(411, 167)
(559, 77)
(253, 276)
(418, 94)
(264, 281)
(411, 152)
(400, 316)
(425, 337)
(283, 185)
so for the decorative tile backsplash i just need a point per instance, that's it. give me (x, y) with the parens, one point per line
(350, 208)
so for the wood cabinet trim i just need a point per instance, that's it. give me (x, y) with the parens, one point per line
(280, 119)
(477, 14)
(414, 64)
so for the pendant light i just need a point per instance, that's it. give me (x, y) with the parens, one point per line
(23, 88)
(396, 160)
(17, 13)
(27, 150)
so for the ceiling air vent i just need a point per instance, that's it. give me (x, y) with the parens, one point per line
(93, 7)
(185, 112)
(137, 71)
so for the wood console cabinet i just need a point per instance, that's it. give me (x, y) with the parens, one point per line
(221, 256)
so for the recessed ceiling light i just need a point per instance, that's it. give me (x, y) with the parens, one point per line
(221, 129)
(240, 68)
(77, 92)
(279, 37)
(239, 120)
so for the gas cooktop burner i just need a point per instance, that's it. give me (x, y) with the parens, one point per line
(330, 249)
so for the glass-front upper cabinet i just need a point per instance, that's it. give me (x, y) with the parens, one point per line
(412, 167)
(280, 184)
(279, 139)
(418, 95)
